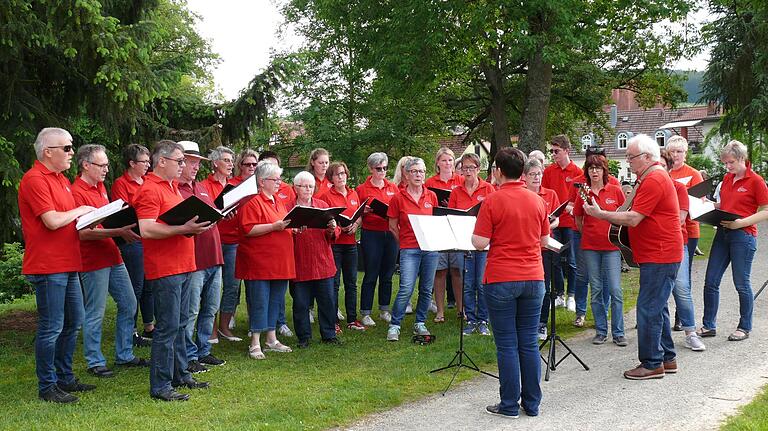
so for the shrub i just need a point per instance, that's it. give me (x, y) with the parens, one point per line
(12, 283)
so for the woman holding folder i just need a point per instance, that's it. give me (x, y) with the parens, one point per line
(472, 191)
(264, 239)
(378, 244)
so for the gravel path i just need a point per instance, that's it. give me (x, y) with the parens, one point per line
(709, 386)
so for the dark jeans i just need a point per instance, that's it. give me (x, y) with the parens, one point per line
(514, 309)
(133, 257)
(737, 248)
(230, 287)
(379, 256)
(60, 315)
(302, 293)
(654, 332)
(565, 267)
(345, 256)
(474, 299)
(169, 348)
(692, 244)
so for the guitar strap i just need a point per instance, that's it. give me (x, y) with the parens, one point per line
(628, 203)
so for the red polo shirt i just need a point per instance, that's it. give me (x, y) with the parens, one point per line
(682, 199)
(227, 228)
(207, 244)
(47, 251)
(551, 201)
(384, 194)
(322, 186)
(744, 196)
(124, 188)
(351, 201)
(403, 204)
(657, 238)
(692, 227)
(561, 180)
(286, 194)
(436, 183)
(100, 253)
(312, 252)
(574, 193)
(515, 219)
(594, 231)
(269, 256)
(167, 256)
(461, 199)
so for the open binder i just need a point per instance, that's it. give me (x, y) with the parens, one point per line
(232, 197)
(443, 233)
(443, 211)
(443, 195)
(705, 212)
(98, 215)
(345, 221)
(379, 208)
(317, 218)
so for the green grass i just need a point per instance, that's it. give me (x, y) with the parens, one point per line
(315, 388)
(752, 416)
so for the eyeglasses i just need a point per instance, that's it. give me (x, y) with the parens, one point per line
(594, 168)
(66, 148)
(100, 165)
(555, 150)
(630, 158)
(468, 168)
(179, 162)
(227, 161)
(534, 174)
(276, 180)
(381, 168)
(417, 172)
(305, 186)
(146, 162)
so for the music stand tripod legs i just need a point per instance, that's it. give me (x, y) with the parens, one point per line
(458, 359)
(553, 339)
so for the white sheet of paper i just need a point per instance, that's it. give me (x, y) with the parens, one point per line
(99, 214)
(246, 188)
(698, 207)
(554, 245)
(463, 227)
(684, 180)
(433, 233)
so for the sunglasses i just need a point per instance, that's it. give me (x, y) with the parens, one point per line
(249, 165)
(66, 148)
(381, 168)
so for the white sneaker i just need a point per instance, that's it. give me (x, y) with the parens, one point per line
(232, 323)
(409, 309)
(560, 301)
(311, 317)
(571, 304)
(285, 331)
(432, 307)
(339, 315)
(385, 316)
(542, 332)
(368, 321)
(393, 333)
(694, 343)
(420, 329)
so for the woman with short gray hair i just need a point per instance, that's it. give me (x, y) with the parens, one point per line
(377, 242)
(742, 192)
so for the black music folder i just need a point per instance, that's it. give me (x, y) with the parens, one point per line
(231, 197)
(219, 201)
(379, 208)
(345, 221)
(317, 218)
(559, 210)
(714, 217)
(123, 218)
(97, 216)
(701, 189)
(189, 208)
(443, 211)
(443, 195)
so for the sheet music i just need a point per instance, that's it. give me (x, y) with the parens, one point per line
(99, 214)
(246, 188)
(697, 207)
(443, 233)
(684, 180)
(554, 245)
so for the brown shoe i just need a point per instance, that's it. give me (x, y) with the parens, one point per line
(670, 367)
(642, 373)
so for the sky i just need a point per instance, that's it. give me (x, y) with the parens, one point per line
(244, 32)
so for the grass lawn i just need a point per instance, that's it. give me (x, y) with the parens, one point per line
(315, 388)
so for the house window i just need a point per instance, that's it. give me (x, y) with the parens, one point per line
(621, 140)
(661, 138)
(587, 141)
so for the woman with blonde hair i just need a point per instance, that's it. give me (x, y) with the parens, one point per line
(319, 159)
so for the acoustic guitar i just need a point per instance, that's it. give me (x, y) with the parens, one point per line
(618, 235)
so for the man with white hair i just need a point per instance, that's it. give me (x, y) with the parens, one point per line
(51, 263)
(656, 241)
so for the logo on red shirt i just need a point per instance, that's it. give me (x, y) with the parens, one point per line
(568, 179)
(390, 193)
(610, 201)
(353, 202)
(481, 198)
(741, 190)
(427, 205)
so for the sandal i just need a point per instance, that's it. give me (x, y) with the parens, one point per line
(706, 332)
(738, 335)
(277, 347)
(254, 352)
(439, 319)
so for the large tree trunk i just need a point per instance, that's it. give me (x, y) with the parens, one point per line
(495, 81)
(538, 89)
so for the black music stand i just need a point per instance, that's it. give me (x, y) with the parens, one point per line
(761, 290)
(553, 338)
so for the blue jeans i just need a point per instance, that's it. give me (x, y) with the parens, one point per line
(345, 256)
(133, 257)
(60, 315)
(682, 294)
(379, 258)
(230, 292)
(96, 284)
(514, 309)
(562, 263)
(204, 297)
(264, 298)
(474, 298)
(302, 293)
(737, 248)
(581, 278)
(413, 263)
(654, 333)
(692, 244)
(168, 364)
(604, 268)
